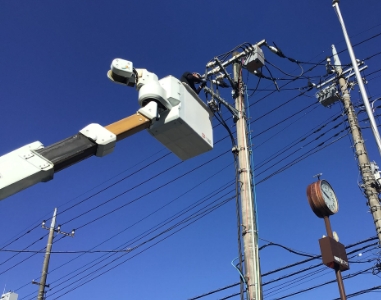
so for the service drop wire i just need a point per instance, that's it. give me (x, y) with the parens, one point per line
(239, 271)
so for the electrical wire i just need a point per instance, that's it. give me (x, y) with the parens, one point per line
(15, 239)
(295, 161)
(216, 291)
(285, 119)
(288, 249)
(25, 259)
(203, 212)
(192, 206)
(197, 217)
(144, 234)
(302, 138)
(285, 73)
(113, 184)
(287, 285)
(361, 292)
(291, 266)
(146, 194)
(323, 284)
(30, 245)
(281, 159)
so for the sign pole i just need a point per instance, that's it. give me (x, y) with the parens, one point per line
(339, 278)
(323, 202)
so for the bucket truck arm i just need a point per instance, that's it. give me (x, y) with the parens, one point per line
(169, 111)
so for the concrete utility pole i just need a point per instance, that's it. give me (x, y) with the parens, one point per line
(369, 181)
(373, 125)
(44, 274)
(249, 231)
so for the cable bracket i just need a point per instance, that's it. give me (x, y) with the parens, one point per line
(236, 113)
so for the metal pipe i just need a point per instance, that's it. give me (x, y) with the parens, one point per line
(364, 95)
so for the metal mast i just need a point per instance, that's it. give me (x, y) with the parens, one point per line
(249, 230)
(373, 125)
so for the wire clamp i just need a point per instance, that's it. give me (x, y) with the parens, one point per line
(235, 150)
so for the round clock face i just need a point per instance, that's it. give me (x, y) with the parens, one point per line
(329, 196)
(322, 199)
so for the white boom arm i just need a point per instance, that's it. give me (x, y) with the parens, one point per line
(170, 110)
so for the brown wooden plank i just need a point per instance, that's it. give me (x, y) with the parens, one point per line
(128, 126)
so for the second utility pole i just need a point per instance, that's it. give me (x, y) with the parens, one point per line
(45, 266)
(249, 230)
(44, 275)
(369, 182)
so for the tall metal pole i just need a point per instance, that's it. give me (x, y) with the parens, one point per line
(249, 232)
(369, 182)
(44, 275)
(373, 125)
(339, 278)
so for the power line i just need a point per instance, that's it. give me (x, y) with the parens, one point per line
(19, 237)
(361, 292)
(30, 245)
(20, 262)
(142, 196)
(124, 192)
(293, 265)
(109, 269)
(202, 213)
(216, 291)
(284, 128)
(215, 193)
(285, 119)
(295, 151)
(302, 157)
(301, 139)
(152, 229)
(325, 283)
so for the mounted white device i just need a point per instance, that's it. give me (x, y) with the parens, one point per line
(181, 121)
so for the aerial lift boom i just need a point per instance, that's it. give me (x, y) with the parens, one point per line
(170, 110)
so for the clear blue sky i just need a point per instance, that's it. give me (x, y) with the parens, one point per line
(54, 56)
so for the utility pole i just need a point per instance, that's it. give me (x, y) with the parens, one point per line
(373, 125)
(44, 274)
(249, 231)
(369, 181)
(45, 266)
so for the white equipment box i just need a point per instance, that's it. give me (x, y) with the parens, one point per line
(185, 129)
(9, 296)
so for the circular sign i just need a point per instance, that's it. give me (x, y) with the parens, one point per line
(322, 199)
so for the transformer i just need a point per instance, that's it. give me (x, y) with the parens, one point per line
(255, 60)
(328, 96)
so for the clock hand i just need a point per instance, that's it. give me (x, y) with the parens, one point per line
(326, 194)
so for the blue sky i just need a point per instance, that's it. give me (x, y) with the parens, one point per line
(54, 58)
